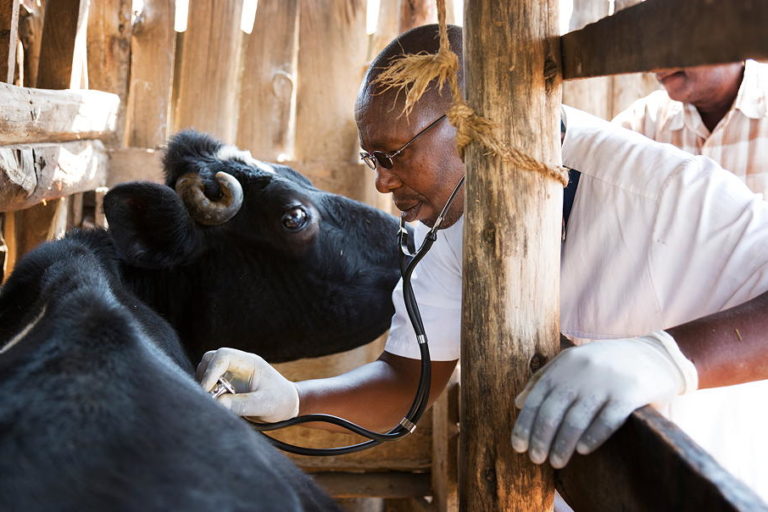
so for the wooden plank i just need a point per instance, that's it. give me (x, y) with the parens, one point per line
(268, 91)
(30, 174)
(414, 13)
(591, 95)
(511, 254)
(445, 447)
(333, 46)
(9, 35)
(135, 164)
(667, 33)
(209, 71)
(40, 115)
(109, 51)
(393, 484)
(31, 36)
(153, 49)
(650, 464)
(63, 44)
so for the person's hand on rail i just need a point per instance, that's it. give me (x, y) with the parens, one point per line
(262, 392)
(585, 393)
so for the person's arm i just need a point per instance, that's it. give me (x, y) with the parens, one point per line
(729, 347)
(376, 395)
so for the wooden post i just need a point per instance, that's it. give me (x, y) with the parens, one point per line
(268, 92)
(209, 71)
(9, 35)
(591, 95)
(414, 13)
(31, 36)
(333, 46)
(109, 51)
(511, 248)
(63, 44)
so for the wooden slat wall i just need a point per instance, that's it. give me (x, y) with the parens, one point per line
(109, 51)
(60, 65)
(209, 70)
(9, 23)
(667, 33)
(153, 48)
(268, 94)
(333, 46)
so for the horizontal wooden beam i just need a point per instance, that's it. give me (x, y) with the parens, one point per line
(40, 115)
(667, 33)
(31, 174)
(135, 164)
(374, 485)
(650, 464)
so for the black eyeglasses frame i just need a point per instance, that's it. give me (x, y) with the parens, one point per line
(383, 159)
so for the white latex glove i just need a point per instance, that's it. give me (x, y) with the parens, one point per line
(585, 393)
(262, 392)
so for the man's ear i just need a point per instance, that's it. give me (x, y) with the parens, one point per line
(150, 226)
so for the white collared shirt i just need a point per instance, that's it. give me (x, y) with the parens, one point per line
(656, 237)
(739, 142)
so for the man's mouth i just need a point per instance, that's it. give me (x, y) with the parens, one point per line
(410, 213)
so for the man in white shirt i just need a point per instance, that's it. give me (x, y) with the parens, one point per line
(631, 272)
(719, 111)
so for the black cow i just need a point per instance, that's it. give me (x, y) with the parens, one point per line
(268, 264)
(97, 406)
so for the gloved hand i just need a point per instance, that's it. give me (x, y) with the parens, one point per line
(262, 392)
(579, 398)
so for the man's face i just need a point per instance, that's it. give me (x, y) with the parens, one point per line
(702, 86)
(425, 173)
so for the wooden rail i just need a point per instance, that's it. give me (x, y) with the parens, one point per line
(650, 464)
(667, 33)
(40, 115)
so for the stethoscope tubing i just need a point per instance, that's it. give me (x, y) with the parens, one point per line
(407, 425)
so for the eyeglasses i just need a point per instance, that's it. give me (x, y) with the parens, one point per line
(385, 159)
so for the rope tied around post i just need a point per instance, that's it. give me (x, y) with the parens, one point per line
(414, 72)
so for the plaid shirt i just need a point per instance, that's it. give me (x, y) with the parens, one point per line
(739, 142)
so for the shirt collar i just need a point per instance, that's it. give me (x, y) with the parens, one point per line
(751, 98)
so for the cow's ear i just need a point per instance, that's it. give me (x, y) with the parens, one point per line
(150, 226)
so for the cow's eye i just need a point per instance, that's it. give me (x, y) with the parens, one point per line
(295, 218)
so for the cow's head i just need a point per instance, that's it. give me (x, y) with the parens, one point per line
(238, 252)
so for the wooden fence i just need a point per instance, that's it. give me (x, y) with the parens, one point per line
(91, 90)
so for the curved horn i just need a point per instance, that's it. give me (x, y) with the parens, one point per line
(189, 187)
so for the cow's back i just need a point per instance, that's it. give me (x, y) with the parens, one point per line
(95, 416)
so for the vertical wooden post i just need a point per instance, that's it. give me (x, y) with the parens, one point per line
(414, 13)
(31, 35)
(510, 318)
(268, 93)
(9, 35)
(153, 49)
(209, 71)
(109, 51)
(589, 94)
(628, 87)
(331, 64)
(64, 33)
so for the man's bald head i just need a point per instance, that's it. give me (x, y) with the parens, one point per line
(424, 39)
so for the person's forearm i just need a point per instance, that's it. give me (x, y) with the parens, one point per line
(376, 395)
(729, 347)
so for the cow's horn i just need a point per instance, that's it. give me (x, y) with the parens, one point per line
(211, 213)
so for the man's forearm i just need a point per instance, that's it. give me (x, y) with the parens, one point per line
(729, 347)
(376, 395)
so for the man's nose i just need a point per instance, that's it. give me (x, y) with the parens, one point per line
(386, 180)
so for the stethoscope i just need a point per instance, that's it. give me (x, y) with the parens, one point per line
(407, 425)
